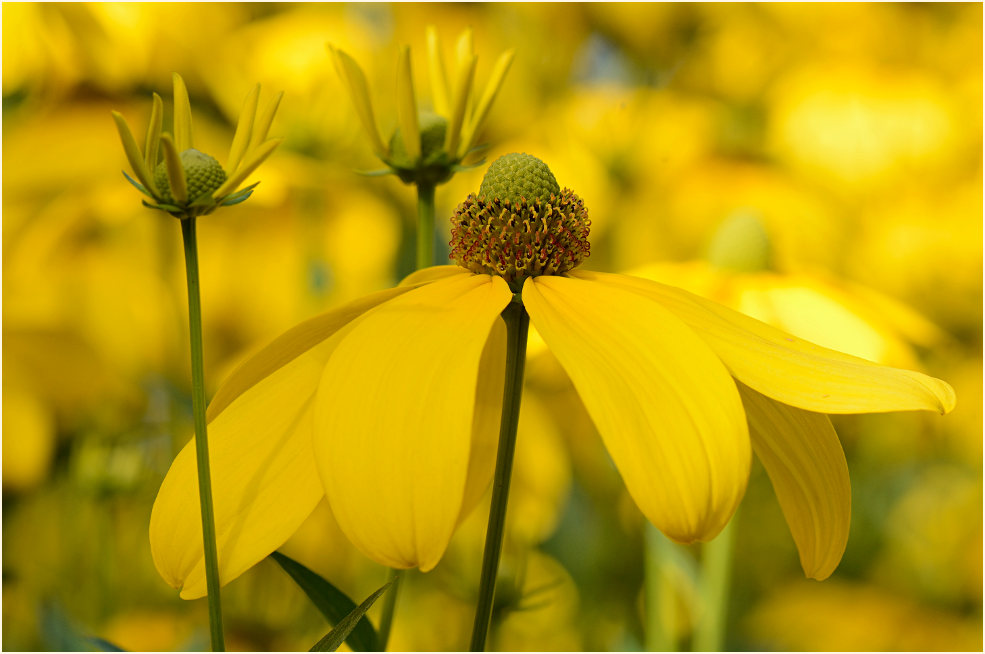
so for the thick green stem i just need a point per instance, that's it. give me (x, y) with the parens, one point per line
(716, 568)
(517, 324)
(425, 225)
(389, 606)
(201, 437)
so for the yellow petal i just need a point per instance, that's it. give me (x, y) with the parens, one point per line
(664, 404)
(182, 115)
(393, 416)
(431, 274)
(463, 91)
(132, 150)
(436, 70)
(488, 97)
(244, 130)
(292, 344)
(486, 418)
(355, 81)
(407, 107)
(253, 160)
(788, 369)
(261, 126)
(804, 460)
(153, 139)
(264, 480)
(176, 172)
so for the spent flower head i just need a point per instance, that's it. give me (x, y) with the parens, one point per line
(184, 181)
(428, 145)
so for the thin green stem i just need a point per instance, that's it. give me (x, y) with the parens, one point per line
(517, 325)
(660, 629)
(201, 437)
(425, 225)
(716, 568)
(389, 606)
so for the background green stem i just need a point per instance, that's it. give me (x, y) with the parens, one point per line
(425, 225)
(201, 436)
(716, 568)
(661, 605)
(517, 325)
(389, 607)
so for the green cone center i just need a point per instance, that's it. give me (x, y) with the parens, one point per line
(203, 175)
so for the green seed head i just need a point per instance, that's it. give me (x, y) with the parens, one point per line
(521, 224)
(518, 176)
(433, 128)
(203, 174)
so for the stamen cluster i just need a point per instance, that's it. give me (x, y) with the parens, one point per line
(520, 239)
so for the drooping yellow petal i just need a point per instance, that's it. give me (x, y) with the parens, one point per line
(431, 274)
(253, 160)
(352, 76)
(664, 404)
(176, 172)
(153, 139)
(474, 123)
(460, 102)
(244, 130)
(182, 115)
(132, 150)
(264, 480)
(410, 129)
(486, 418)
(292, 344)
(394, 413)
(804, 460)
(788, 369)
(436, 70)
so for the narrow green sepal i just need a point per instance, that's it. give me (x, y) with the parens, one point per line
(140, 187)
(458, 168)
(238, 196)
(334, 639)
(375, 173)
(334, 605)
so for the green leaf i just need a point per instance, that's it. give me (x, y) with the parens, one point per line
(334, 639)
(333, 604)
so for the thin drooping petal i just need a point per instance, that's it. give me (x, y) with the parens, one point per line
(264, 482)
(436, 71)
(253, 160)
(132, 150)
(393, 416)
(261, 126)
(463, 91)
(431, 274)
(486, 418)
(664, 404)
(355, 81)
(474, 123)
(788, 369)
(292, 344)
(153, 138)
(806, 464)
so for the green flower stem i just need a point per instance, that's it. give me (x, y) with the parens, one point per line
(661, 601)
(716, 568)
(201, 437)
(425, 225)
(517, 325)
(389, 606)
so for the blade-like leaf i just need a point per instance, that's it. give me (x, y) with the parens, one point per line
(333, 604)
(334, 639)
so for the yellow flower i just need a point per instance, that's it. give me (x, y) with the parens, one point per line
(427, 146)
(389, 406)
(187, 182)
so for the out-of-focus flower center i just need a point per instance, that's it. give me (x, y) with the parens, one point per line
(203, 174)
(521, 224)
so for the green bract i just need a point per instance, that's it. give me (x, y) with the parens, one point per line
(184, 181)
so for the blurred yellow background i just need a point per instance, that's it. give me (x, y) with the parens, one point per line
(819, 167)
